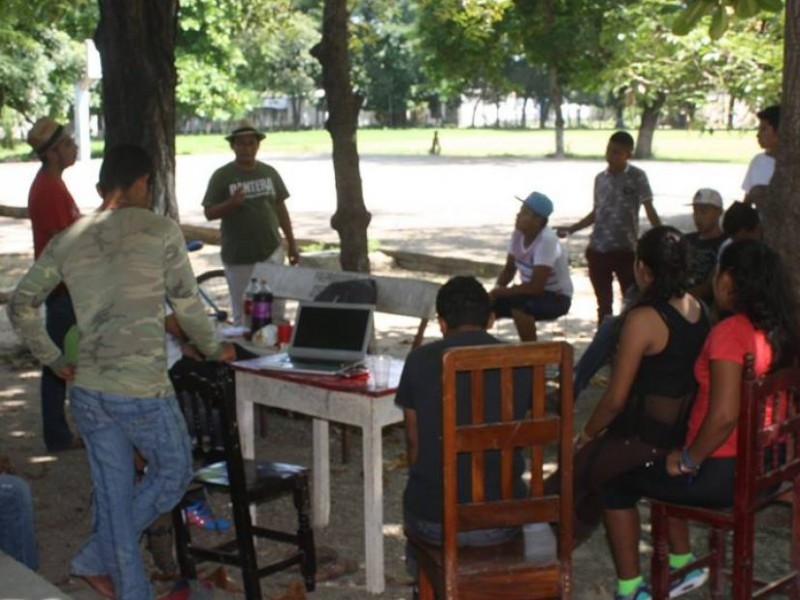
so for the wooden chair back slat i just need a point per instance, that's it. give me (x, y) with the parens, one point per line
(511, 513)
(508, 367)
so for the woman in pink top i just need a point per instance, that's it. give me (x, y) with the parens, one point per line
(751, 286)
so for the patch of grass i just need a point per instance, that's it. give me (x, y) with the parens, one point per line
(674, 145)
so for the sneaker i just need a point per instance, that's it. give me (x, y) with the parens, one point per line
(199, 515)
(640, 593)
(690, 581)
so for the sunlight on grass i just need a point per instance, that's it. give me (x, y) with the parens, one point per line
(676, 145)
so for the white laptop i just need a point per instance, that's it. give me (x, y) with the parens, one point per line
(329, 338)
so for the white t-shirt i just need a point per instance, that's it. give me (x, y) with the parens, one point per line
(545, 250)
(759, 172)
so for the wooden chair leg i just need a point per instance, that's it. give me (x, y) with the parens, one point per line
(742, 567)
(425, 588)
(660, 562)
(183, 539)
(794, 542)
(716, 576)
(305, 534)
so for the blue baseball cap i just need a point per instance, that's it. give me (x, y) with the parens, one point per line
(538, 203)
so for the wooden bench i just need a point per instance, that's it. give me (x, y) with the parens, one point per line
(396, 295)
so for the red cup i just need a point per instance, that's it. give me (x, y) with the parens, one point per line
(284, 333)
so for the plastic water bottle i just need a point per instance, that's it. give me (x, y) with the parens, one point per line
(247, 302)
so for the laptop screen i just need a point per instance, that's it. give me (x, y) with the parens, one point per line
(331, 331)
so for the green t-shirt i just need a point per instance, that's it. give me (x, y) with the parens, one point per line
(250, 232)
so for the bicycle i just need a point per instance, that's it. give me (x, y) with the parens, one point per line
(213, 289)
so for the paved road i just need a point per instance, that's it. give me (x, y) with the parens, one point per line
(431, 204)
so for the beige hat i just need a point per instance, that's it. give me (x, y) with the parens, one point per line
(245, 127)
(44, 134)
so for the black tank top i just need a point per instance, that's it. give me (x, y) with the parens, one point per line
(663, 390)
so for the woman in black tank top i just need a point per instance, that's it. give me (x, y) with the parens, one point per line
(643, 412)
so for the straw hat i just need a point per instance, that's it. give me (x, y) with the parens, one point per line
(45, 134)
(245, 127)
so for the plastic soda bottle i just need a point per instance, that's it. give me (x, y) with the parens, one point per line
(258, 315)
(247, 301)
(269, 299)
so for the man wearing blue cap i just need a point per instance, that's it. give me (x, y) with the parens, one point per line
(545, 291)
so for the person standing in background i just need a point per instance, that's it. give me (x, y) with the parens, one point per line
(619, 191)
(249, 197)
(762, 165)
(52, 209)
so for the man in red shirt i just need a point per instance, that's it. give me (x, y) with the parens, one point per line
(51, 209)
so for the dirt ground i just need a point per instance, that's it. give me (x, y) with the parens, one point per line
(61, 483)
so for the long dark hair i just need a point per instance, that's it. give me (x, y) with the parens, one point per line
(762, 293)
(665, 251)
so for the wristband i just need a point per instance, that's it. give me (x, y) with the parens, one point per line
(686, 464)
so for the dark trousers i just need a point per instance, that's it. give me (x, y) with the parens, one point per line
(59, 318)
(602, 268)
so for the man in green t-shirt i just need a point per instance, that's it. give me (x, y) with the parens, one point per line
(250, 198)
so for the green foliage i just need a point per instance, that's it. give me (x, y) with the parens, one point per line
(463, 43)
(650, 61)
(385, 65)
(721, 12)
(39, 63)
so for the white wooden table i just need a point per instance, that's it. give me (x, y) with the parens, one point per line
(327, 399)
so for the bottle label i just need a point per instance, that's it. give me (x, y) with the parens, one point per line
(260, 310)
(248, 307)
(268, 311)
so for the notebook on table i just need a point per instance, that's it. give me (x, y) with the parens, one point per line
(329, 338)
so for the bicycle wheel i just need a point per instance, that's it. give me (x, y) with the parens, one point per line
(213, 288)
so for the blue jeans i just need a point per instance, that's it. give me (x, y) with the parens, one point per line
(596, 355)
(17, 536)
(112, 426)
(431, 532)
(59, 318)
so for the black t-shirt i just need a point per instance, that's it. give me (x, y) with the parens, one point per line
(420, 389)
(702, 257)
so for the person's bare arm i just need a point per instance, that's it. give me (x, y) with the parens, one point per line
(507, 274)
(285, 222)
(651, 213)
(575, 227)
(216, 211)
(534, 287)
(639, 335)
(721, 418)
(412, 435)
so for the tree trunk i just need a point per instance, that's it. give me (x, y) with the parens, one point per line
(731, 108)
(351, 218)
(524, 121)
(544, 109)
(555, 96)
(136, 41)
(780, 209)
(647, 127)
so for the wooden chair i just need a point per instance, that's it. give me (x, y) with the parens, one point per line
(767, 466)
(209, 404)
(502, 571)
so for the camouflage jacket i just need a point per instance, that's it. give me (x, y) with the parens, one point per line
(118, 265)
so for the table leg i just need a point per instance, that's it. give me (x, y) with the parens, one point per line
(321, 473)
(245, 413)
(373, 507)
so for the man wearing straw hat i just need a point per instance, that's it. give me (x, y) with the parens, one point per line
(250, 199)
(52, 209)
